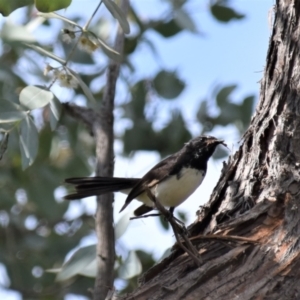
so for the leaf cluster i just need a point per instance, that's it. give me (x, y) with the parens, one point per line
(230, 113)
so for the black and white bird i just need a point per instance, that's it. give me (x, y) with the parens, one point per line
(171, 181)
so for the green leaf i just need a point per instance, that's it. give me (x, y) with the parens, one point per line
(84, 87)
(222, 97)
(108, 51)
(181, 215)
(224, 13)
(229, 114)
(141, 137)
(122, 225)
(47, 53)
(132, 266)
(78, 56)
(246, 110)
(34, 97)
(135, 109)
(55, 112)
(28, 141)
(168, 85)
(49, 6)
(146, 259)
(168, 140)
(8, 6)
(130, 45)
(184, 20)
(10, 112)
(202, 113)
(3, 144)
(53, 15)
(90, 270)
(164, 223)
(167, 29)
(77, 263)
(16, 33)
(6, 127)
(178, 3)
(174, 135)
(117, 14)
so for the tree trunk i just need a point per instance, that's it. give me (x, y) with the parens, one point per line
(257, 196)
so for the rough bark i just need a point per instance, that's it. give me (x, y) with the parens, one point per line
(257, 196)
(104, 137)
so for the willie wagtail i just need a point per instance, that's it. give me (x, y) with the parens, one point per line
(171, 181)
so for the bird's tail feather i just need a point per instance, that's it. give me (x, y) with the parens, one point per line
(92, 186)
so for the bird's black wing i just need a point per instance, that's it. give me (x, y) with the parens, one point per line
(158, 173)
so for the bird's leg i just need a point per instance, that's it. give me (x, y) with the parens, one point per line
(170, 215)
(189, 248)
(171, 211)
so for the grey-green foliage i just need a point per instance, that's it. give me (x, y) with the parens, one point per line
(142, 135)
(7, 7)
(223, 12)
(34, 231)
(15, 115)
(237, 114)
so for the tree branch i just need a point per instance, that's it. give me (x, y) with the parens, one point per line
(87, 115)
(104, 137)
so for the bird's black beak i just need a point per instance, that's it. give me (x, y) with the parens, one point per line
(215, 141)
(222, 143)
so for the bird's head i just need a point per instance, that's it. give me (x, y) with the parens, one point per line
(204, 145)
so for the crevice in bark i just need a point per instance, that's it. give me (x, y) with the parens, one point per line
(273, 60)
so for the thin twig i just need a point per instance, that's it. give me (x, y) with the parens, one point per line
(86, 26)
(87, 115)
(145, 216)
(156, 215)
(74, 47)
(231, 238)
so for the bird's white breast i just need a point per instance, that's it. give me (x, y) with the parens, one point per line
(175, 190)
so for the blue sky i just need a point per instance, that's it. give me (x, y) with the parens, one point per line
(222, 54)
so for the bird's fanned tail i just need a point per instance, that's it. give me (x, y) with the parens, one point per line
(93, 186)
